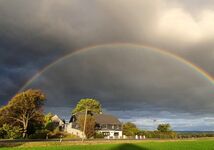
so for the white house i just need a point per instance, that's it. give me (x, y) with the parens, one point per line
(107, 125)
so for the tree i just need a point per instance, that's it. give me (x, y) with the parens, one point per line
(130, 129)
(91, 104)
(24, 107)
(90, 125)
(164, 127)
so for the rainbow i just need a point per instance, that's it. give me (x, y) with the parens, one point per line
(161, 51)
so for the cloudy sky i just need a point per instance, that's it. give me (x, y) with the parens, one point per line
(135, 83)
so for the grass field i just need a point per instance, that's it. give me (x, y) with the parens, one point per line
(202, 144)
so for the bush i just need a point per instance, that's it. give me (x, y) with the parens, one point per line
(3, 133)
(69, 136)
(10, 132)
(55, 134)
(195, 135)
(158, 134)
(98, 135)
(39, 134)
(51, 126)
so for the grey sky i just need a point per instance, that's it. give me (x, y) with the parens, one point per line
(35, 33)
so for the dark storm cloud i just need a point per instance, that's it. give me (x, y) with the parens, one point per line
(203, 50)
(124, 78)
(24, 45)
(35, 33)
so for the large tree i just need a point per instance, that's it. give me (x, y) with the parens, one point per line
(23, 108)
(92, 105)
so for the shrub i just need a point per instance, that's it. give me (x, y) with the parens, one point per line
(158, 134)
(10, 132)
(51, 126)
(98, 135)
(39, 134)
(3, 133)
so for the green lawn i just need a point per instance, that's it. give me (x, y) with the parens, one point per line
(147, 145)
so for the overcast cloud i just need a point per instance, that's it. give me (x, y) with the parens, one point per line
(35, 33)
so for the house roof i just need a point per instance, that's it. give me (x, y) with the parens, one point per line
(56, 118)
(102, 118)
(106, 119)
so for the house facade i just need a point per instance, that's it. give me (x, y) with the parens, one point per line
(108, 125)
(58, 122)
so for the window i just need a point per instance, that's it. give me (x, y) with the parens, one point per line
(116, 133)
(106, 133)
(104, 126)
(118, 127)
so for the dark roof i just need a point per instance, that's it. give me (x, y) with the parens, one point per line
(102, 118)
(106, 119)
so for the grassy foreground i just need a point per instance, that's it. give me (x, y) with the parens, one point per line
(118, 145)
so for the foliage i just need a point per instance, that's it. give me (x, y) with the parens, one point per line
(3, 133)
(49, 129)
(57, 134)
(49, 124)
(176, 135)
(194, 134)
(90, 125)
(39, 134)
(160, 135)
(47, 118)
(23, 108)
(130, 129)
(91, 104)
(35, 125)
(3, 118)
(44, 134)
(99, 135)
(164, 127)
(10, 132)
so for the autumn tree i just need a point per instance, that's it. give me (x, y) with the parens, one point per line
(130, 129)
(92, 105)
(23, 108)
(90, 125)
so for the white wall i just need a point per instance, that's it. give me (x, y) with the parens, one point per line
(111, 136)
(69, 129)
